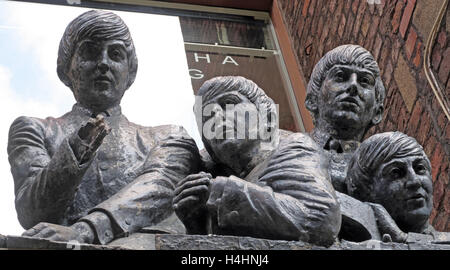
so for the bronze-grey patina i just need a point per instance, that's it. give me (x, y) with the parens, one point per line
(92, 175)
(274, 190)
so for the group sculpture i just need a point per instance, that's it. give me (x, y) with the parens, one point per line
(93, 176)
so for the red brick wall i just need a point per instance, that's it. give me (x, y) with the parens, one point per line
(395, 31)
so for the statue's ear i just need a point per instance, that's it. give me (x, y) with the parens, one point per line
(311, 103)
(378, 116)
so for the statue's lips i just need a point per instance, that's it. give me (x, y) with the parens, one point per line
(349, 103)
(417, 200)
(103, 79)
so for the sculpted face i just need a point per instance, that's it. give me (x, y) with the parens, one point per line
(230, 123)
(99, 73)
(404, 188)
(348, 97)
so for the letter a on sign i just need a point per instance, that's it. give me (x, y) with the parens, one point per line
(229, 59)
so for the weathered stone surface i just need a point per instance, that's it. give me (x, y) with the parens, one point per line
(139, 241)
(21, 242)
(142, 241)
(2, 241)
(219, 242)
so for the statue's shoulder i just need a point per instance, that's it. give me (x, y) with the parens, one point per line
(168, 132)
(27, 122)
(298, 139)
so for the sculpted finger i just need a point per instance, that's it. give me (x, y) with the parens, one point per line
(186, 202)
(199, 191)
(45, 233)
(193, 177)
(31, 232)
(36, 229)
(189, 184)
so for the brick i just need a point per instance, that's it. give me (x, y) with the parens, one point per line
(312, 7)
(410, 43)
(415, 117)
(436, 57)
(442, 39)
(365, 24)
(387, 73)
(342, 25)
(305, 7)
(401, 119)
(440, 221)
(430, 144)
(324, 33)
(446, 202)
(385, 52)
(347, 6)
(349, 27)
(447, 132)
(397, 16)
(396, 46)
(371, 9)
(436, 159)
(433, 214)
(423, 131)
(380, 7)
(370, 40)
(358, 20)
(377, 47)
(332, 5)
(406, 18)
(444, 68)
(320, 25)
(418, 57)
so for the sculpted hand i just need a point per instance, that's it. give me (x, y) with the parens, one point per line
(387, 225)
(80, 231)
(89, 138)
(189, 202)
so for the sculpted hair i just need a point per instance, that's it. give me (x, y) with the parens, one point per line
(373, 152)
(342, 55)
(222, 84)
(96, 25)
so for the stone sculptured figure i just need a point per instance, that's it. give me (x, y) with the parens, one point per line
(91, 175)
(345, 96)
(275, 187)
(392, 172)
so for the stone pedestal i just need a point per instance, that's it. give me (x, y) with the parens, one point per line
(145, 241)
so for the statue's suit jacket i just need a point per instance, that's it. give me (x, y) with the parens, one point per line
(288, 196)
(130, 178)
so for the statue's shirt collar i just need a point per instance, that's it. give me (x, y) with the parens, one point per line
(114, 111)
(327, 142)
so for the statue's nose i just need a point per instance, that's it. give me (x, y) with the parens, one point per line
(103, 64)
(353, 84)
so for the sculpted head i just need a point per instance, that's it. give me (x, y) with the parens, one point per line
(97, 59)
(235, 115)
(392, 169)
(345, 89)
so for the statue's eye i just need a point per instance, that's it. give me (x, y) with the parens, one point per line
(420, 169)
(396, 173)
(339, 76)
(116, 54)
(229, 100)
(89, 51)
(366, 81)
